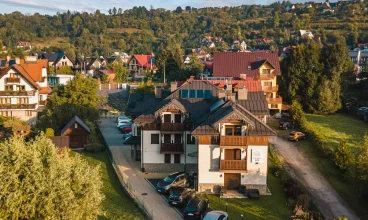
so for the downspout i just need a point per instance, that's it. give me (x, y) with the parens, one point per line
(142, 153)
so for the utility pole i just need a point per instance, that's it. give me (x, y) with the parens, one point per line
(164, 73)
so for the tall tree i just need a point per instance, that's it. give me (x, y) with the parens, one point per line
(276, 20)
(46, 183)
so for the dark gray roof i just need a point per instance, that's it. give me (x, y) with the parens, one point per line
(79, 121)
(139, 103)
(256, 103)
(133, 140)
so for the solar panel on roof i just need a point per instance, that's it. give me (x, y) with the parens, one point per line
(216, 105)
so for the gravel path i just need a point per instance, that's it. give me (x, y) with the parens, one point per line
(324, 195)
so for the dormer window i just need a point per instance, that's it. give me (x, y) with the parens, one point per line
(75, 125)
(249, 68)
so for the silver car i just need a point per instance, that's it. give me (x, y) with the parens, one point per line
(216, 215)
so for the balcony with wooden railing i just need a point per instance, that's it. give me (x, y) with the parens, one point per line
(12, 80)
(277, 100)
(266, 76)
(42, 102)
(226, 141)
(270, 88)
(17, 106)
(17, 93)
(233, 166)
(151, 126)
(171, 148)
(172, 127)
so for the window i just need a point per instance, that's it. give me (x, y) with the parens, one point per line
(177, 138)
(22, 100)
(200, 94)
(21, 88)
(237, 131)
(75, 125)
(207, 94)
(228, 131)
(8, 87)
(176, 158)
(184, 94)
(177, 118)
(266, 71)
(6, 113)
(167, 158)
(192, 93)
(273, 105)
(28, 113)
(267, 83)
(155, 138)
(190, 139)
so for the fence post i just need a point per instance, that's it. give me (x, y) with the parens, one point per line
(109, 86)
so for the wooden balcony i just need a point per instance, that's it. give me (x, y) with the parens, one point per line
(17, 106)
(43, 102)
(229, 141)
(270, 88)
(171, 148)
(172, 127)
(266, 76)
(151, 126)
(274, 100)
(17, 93)
(233, 166)
(12, 80)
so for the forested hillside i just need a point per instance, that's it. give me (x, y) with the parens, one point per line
(142, 30)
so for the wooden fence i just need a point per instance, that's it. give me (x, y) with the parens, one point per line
(61, 141)
(113, 86)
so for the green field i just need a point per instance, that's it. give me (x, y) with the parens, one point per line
(117, 204)
(267, 207)
(334, 127)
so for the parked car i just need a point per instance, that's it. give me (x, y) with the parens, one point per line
(179, 179)
(127, 124)
(180, 196)
(122, 117)
(296, 136)
(278, 115)
(120, 123)
(284, 125)
(196, 208)
(127, 135)
(126, 130)
(216, 215)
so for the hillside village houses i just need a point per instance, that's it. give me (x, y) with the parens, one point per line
(196, 126)
(23, 88)
(138, 64)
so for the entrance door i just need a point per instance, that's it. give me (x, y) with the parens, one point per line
(167, 118)
(232, 181)
(177, 139)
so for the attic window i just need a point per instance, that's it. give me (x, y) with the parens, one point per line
(184, 94)
(75, 125)
(259, 59)
(249, 68)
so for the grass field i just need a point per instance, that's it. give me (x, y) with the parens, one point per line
(123, 30)
(39, 42)
(267, 207)
(117, 204)
(334, 127)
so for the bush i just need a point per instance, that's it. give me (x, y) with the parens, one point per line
(93, 147)
(50, 132)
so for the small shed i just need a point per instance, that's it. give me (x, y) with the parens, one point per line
(77, 131)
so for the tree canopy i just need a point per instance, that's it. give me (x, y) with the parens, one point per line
(39, 182)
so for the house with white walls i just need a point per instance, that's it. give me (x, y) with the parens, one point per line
(24, 88)
(219, 133)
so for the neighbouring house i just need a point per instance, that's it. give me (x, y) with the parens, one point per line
(139, 64)
(285, 51)
(360, 60)
(59, 79)
(124, 57)
(57, 60)
(218, 132)
(237, 44)
(77, 131)
(89, 66)
(25, 45)
(110, 74)
(24, 88)
(263, 41)
(305, 34)
(261, 65)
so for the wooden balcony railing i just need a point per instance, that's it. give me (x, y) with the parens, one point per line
(172, 127)
(266, 76)
(168, 148)
(234, 165)
(151, 126)
(270, 88)
(274, 100)
(17, 106)
(43, 102)
(17, 93)
(12, 80)
(233, 141)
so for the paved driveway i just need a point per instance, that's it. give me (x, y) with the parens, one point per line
(324, 195)
(130, 169)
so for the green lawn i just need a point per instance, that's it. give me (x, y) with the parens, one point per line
(267, 207)
(117, 204)
(335, 127)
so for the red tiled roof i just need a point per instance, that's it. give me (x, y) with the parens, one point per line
(143, 60)
(45, 90)
(24, 73)
(232, 64)
(34, 69)
(251, 84)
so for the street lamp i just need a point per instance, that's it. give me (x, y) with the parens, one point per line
(241, 215)
(226, 206)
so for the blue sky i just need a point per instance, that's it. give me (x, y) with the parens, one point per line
(53, 6)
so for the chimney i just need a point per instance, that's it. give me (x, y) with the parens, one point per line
(242, 93)
(17, 60)
(243, 76)
(191, 78)
(229, 87)
(30, 58)
(158, 92)
(8, 58)
(221, 94)
(232, 97)
(174, 86)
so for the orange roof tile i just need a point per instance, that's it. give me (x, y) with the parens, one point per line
(34, 69)
(45, 90)
(24, 73)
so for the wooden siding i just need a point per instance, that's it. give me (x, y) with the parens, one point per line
(171, 148)
(240, 165)
(208, 140)
(233, 140)
(60, 141)
(257, 140)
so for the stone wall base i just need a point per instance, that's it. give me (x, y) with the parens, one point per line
(208, 188)
(168, 167)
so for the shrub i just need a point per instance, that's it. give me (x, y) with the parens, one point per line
(50, 132)
(93, 147)
(343, 157)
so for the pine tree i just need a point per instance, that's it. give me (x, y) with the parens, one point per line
(276, 20)
(343, 156)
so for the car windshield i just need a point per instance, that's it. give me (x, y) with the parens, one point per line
(192, 205)
(292, 134)
(169, 179)
(176, 191)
